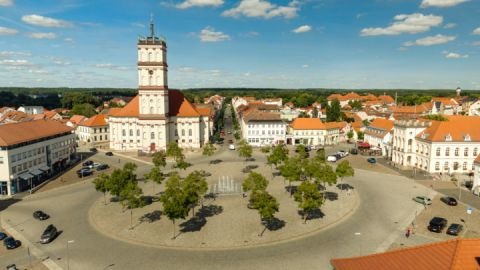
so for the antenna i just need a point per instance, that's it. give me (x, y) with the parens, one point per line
(152, 29)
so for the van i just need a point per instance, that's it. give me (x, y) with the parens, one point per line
(332, 158)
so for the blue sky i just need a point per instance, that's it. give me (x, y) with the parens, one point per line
(245, 43)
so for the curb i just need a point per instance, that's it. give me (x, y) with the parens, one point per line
(347, 215)
(35, 251)
(127, 157)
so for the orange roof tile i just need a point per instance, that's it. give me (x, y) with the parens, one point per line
(458, 127)
(445, 100)
(334, 125)
(130, 110)
(76, 119)
(180, 106)
(307, 124)
(381, 123)
(16, 133)
(386, 99)
(477, 160)
(94, 121)
(456, 254)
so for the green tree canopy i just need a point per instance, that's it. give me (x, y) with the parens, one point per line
(155, 176)
(265, 204)
(245, 150)
(85, 109)
(208, 149)
(174, 200)
(173, 150)
(254, 181)
(325, 175)
(344, 169)
(101, 185)
(194, 187)
(278, 155)
(159, 159)
(308, 198)
(333, 111)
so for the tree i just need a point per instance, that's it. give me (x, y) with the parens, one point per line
(436, 117)
(355, 104)
(245, 150)
(254, 182)
(120, 178)
(159, 159)
(84, 109)
(173, 200)
(344, 170)
(333, 111)
(320, 156)
(265, 149)
(131, 194)
(315, 112)
(208, 150)
(301, 151)
(350, 135)
(173, 150)
(310, 167)
(155, 176)
(278, 155)
(266, 206)
(181, 163)
(291, 170)
(360, 135)
(308, 198)
(194, 187)
(325, 175)
(101, 185)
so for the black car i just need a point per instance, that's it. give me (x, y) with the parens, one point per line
(109, 154)
(250, 159)
(94, 150)
(449, 200)
(102, 167)
(215, 161)
(84, 172)
(11, 243)
(3, 235)
(454, 229)
(354, 151)
(251, 167)
(49, 234)
(437, 224)
(12, 267)
(40, 215)
(87, 163)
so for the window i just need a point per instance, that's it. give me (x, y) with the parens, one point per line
(445, 166)
(464, 166)
(465, 151)
(152, 135)
(101, 137)
(437, 166)
(183, 132)
(190, 132)
(131, 132)
(124, 132)
(138, 132)
(456, 151)
(14, 169)
(1, 160)
(447, 151)
(475, 151)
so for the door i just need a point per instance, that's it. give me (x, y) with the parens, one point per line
(152, 147)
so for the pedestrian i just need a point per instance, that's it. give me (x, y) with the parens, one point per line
(407, 233)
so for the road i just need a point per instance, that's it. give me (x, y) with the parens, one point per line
(385, 209)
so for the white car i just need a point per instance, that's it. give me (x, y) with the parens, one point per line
(94, 165)
(343, 153)
(332, 158)
(231, 147)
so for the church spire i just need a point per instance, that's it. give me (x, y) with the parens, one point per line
(152, 26)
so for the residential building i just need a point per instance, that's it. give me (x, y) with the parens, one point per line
(157, 115)
(273, 101)
(31, 109)
(437, 146)
(263, 128)
(474, 108)
(75, 120)
(455, 254)
(30, 151)
(93, 131)
(476, 176)
(379, 134)
(312, 131)
(445, 106)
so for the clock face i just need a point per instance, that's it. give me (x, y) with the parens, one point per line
(150, 72)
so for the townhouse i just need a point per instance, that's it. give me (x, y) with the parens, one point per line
(312, 131)
(379, 134)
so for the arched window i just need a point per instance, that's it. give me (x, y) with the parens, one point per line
(183, 132)
(465, 151)
(456, 151)
(447, 151)
(150, 57)
(152, 110)
(152, 135)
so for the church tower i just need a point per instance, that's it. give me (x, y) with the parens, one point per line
(152, 76)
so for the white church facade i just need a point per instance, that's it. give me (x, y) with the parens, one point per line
(157, 115)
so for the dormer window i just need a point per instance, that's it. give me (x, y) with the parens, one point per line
(467, 138)
(424, 136)
(448, 138)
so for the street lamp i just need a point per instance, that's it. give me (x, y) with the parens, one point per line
(68, 259)
(359, 234)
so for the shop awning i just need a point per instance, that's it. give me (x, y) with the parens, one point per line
(25, 176)
(364, 145)
(36, 172)
(45, 168)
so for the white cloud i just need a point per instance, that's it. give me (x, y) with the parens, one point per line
(4, 31)
(140, 25)
(450, 25)
(302, 29)
(250, 34)
(6, 3)
(61, 62)
(441, 3)
(70, 40)
(263, 9)
(305, 66)
(410, 24)
(208, 34)
(110, 66)
(431, 40)
(42, 35)
(476, 31)
(12, 53)
(402, 49)
(15, 62)
(199, 3)
(452, 55)
(39, 20)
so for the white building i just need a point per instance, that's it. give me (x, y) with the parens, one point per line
(312, 131)
(94, 131)
(474, 108)
(30, 151)
(476, 176)
(445, 147)
(263, 128)
(31, 109)
(157, 115)
(379, 134)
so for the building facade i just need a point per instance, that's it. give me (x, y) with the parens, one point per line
(94, 131)
(157, 115)
(379, 134)
(312, 131)
(30, 151)
(263, 128)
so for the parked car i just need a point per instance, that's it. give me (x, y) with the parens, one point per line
(449, 200)
(84, 172)
(250, 159)
(3, 235)
(231, 147)
(40, 215)
(229, 132)
(469, 184)
(12, 267)
(343, 153)
(372, 160)
(454, 229)
(49, 234)
(109, 154)
(251, 167)
(102, 167)
(230, 141)
(94, 150)
(87, 163)
(332, 158)
(94, 165)
(206, 174)
(215, 161)
(437, 224)
(219, 142)
(423, 200)
(11, 243)
(338, 156)
(354, 151)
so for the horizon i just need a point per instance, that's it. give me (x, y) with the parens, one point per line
(381, 44)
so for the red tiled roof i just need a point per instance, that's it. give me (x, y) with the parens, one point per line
(76, 119)
(458, 127)
(16, 133)
(477, 160)
(130, 110)
(445, 101)
(456, 254)
(94, 121)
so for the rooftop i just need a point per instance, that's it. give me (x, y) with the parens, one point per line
(11, 134)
